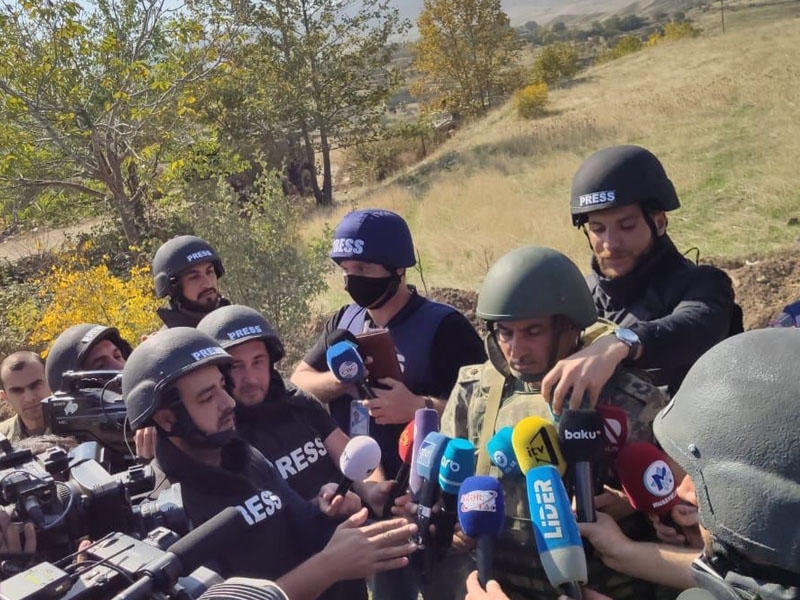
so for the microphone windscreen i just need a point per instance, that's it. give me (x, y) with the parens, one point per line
(430, 455)
(501, 451)
(204, 542)
(535, 443)
(555, 530)
(580, 433)
(244, 588)
(458, 463)
(647, 478)
(481, 508)
(341, 335)
(615, 429)
(426, 420)
(345, 362)
(696, 594)
(405, 444)
(360, 457)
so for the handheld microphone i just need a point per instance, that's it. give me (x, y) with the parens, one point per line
(347, 366)
(426, 420)
(360, 457)
(501, 451)
(428, 460)
(581, 435)
(615, 430)
(648, 480)
(481, 513)
(188, 553)
(535, 443)
(555, 530)
(404, 448)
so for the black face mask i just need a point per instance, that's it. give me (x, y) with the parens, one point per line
(371, 292)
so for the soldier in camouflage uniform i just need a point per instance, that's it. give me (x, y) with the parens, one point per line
(539, 310)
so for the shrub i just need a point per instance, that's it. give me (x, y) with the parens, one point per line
(679, 30)
(531, 100)
(555, 62)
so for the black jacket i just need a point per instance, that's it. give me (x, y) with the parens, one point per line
(176, 315)
(678, 309)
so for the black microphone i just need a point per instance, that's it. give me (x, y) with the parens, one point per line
(582, 442)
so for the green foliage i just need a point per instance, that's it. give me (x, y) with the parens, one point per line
(627, 44)
(556, 62)
(531, 100)
(679, 30)
(465, 55)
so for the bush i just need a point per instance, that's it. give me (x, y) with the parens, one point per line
(679, 30)
(531, 100)
(554, 63)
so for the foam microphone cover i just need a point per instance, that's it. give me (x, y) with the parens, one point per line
(647, 478)
(581, 435)
(405, 443)
(501, 452)
(345, 362)
(244, 588)
(555, 530)
(360, 457)
(481, 513)
(430, 455)
(458, 463)
(615, 429)
(535, 443)
(426, 420)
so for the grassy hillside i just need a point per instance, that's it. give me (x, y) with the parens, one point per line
(721, 111)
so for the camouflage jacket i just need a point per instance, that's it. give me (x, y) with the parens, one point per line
(516, 562)
(13, 429)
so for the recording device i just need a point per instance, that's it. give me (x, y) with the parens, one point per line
(405, 445)
(648, 480)
(581, 435)
(558, 540)
(347, 366)
(481, 513)
(426, 420)
(501, 452)
(615, 430)
(458, 463)
(360, 457)
(428, 462)
(535, 443)
(91, 408)
(244, 588)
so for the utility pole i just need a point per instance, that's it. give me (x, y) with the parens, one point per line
(722, 13)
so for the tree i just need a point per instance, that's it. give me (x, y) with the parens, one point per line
(556, 62)
(96, 97)
(322, 70)
(465, 55)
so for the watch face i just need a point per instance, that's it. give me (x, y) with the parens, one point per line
(627, 336)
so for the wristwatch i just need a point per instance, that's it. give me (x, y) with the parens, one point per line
(630, 339)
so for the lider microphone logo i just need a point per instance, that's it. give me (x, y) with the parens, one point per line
(549, 519)
(348, 370)
(658, 479)
(479, 500)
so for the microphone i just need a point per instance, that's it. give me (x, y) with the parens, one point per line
(428, 460)
(481, 513)
(535, 443)
(426, 420)
(188, 553)
(615, 430)
(360, 457)
(341, 335)
(347, 366)
(458, 463)
(404, 448)
(244, 588)
(558, 540)
(648, 480)
(501, 452)
(581, 435)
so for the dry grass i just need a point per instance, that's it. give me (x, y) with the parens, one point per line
(721, 111)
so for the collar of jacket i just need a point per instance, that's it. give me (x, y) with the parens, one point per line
(177, 315)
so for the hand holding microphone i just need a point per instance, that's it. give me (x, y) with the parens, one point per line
(481, 513)
(458, 463)
(347, 366)
(405, 445)
(360, 457)
(581, 435)
(648, 480)
(426, 420)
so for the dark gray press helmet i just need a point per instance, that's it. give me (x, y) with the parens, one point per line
(236, 324)
(158, 362)
(177, 254)
(532, 282)
(375, 236)
(734, 426)
(71, 347)
(619, 176)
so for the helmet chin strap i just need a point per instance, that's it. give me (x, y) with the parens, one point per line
(185, 428)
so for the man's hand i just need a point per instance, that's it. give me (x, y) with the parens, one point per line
(393, 405)
(16, 538)
(462, 543)
(145, 441)
(688, 534)
(607, 538)
(335, 505)
(356, 550)
(375, 493)
(493, 590)
(587, 370)
(613, 502)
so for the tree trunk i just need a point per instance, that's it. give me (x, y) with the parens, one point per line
(309, 148)
(327, 176)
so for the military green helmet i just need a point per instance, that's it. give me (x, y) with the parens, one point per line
(533, 282)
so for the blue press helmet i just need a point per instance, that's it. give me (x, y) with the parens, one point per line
(375, 236)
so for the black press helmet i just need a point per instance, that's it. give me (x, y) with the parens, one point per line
(619, 176)
(71, 347)
(734, 426)
(160, 360)
(235, 324)
(177, 254)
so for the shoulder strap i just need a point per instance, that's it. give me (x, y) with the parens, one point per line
(496, 382)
